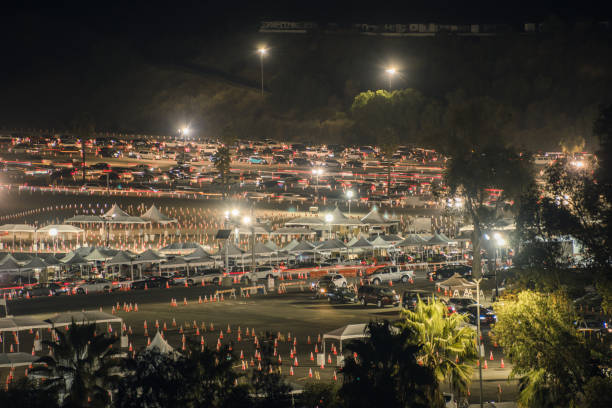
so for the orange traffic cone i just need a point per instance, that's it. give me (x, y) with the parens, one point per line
(491, 356)
(335, 376)
(310, 373)
(290, 370)
(502, 364)
(311, 356)
(485, 365)
(200, 300)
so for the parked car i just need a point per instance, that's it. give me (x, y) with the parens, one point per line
(459, 302)
(342, 295)
(410, 298)
(380, 296)
(329, 282)
(390, 273)
(261, 272)
(212, 276)
(152, 282)
(52, 289)
(257, 160)
(97, 285)
(487, 317)
(447, 271)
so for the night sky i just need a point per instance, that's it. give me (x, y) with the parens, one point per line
(56, 49)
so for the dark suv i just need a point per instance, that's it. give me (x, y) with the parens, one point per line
(447, 271)
(410, 298)
(380, 296)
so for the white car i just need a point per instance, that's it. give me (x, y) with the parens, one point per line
(261, 272)
(390, 273)
(97, 285)
(327, 282)
(212, 276)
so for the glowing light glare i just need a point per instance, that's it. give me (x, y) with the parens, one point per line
(349, 194)
(262, 51)
(235, 212)
(486, 236)
(246, 220)
(53, 232)
(317, 172)
(329, 218)
(497, 236)
(227, 213)
(390, 71)
(578, 163)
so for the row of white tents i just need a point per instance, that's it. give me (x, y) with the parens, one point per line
(113, 216)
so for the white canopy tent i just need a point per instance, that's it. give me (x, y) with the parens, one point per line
(160, 344)
(348, 332)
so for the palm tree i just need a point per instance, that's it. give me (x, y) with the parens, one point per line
(385, 371)
(447, 345)
(81, 366)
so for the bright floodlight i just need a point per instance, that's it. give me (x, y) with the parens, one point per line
(246, 220)
(501, 242)
(497, 236)
(262, 51)
(235, 212)
(185, 130)
(317, 171)
(329, 218)
(390, 71)
(53, 232)
(227, 213)
(349, 194)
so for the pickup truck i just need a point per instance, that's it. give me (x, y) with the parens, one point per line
(98, 285)
(390, 273)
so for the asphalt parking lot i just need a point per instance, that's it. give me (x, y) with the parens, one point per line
(296, 315)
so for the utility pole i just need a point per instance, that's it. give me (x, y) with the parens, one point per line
(252, 240)
(478, 337)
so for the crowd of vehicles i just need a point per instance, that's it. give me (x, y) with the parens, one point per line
(288, 171)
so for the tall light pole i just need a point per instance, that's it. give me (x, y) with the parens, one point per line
(262, 52)
(184, 131)
(349, 195)
(53, 233)
(248, 221)
(478, 337)
(328, 219)
(317, 172)
(390, 72)
(499, 242)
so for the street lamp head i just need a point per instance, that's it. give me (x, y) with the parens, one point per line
(391, 71)
(329, 218)
(246, 220)
(53, 232)
(235, 212)
(185, 130)
(497, 236)
(349, 194)
(262, 51)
